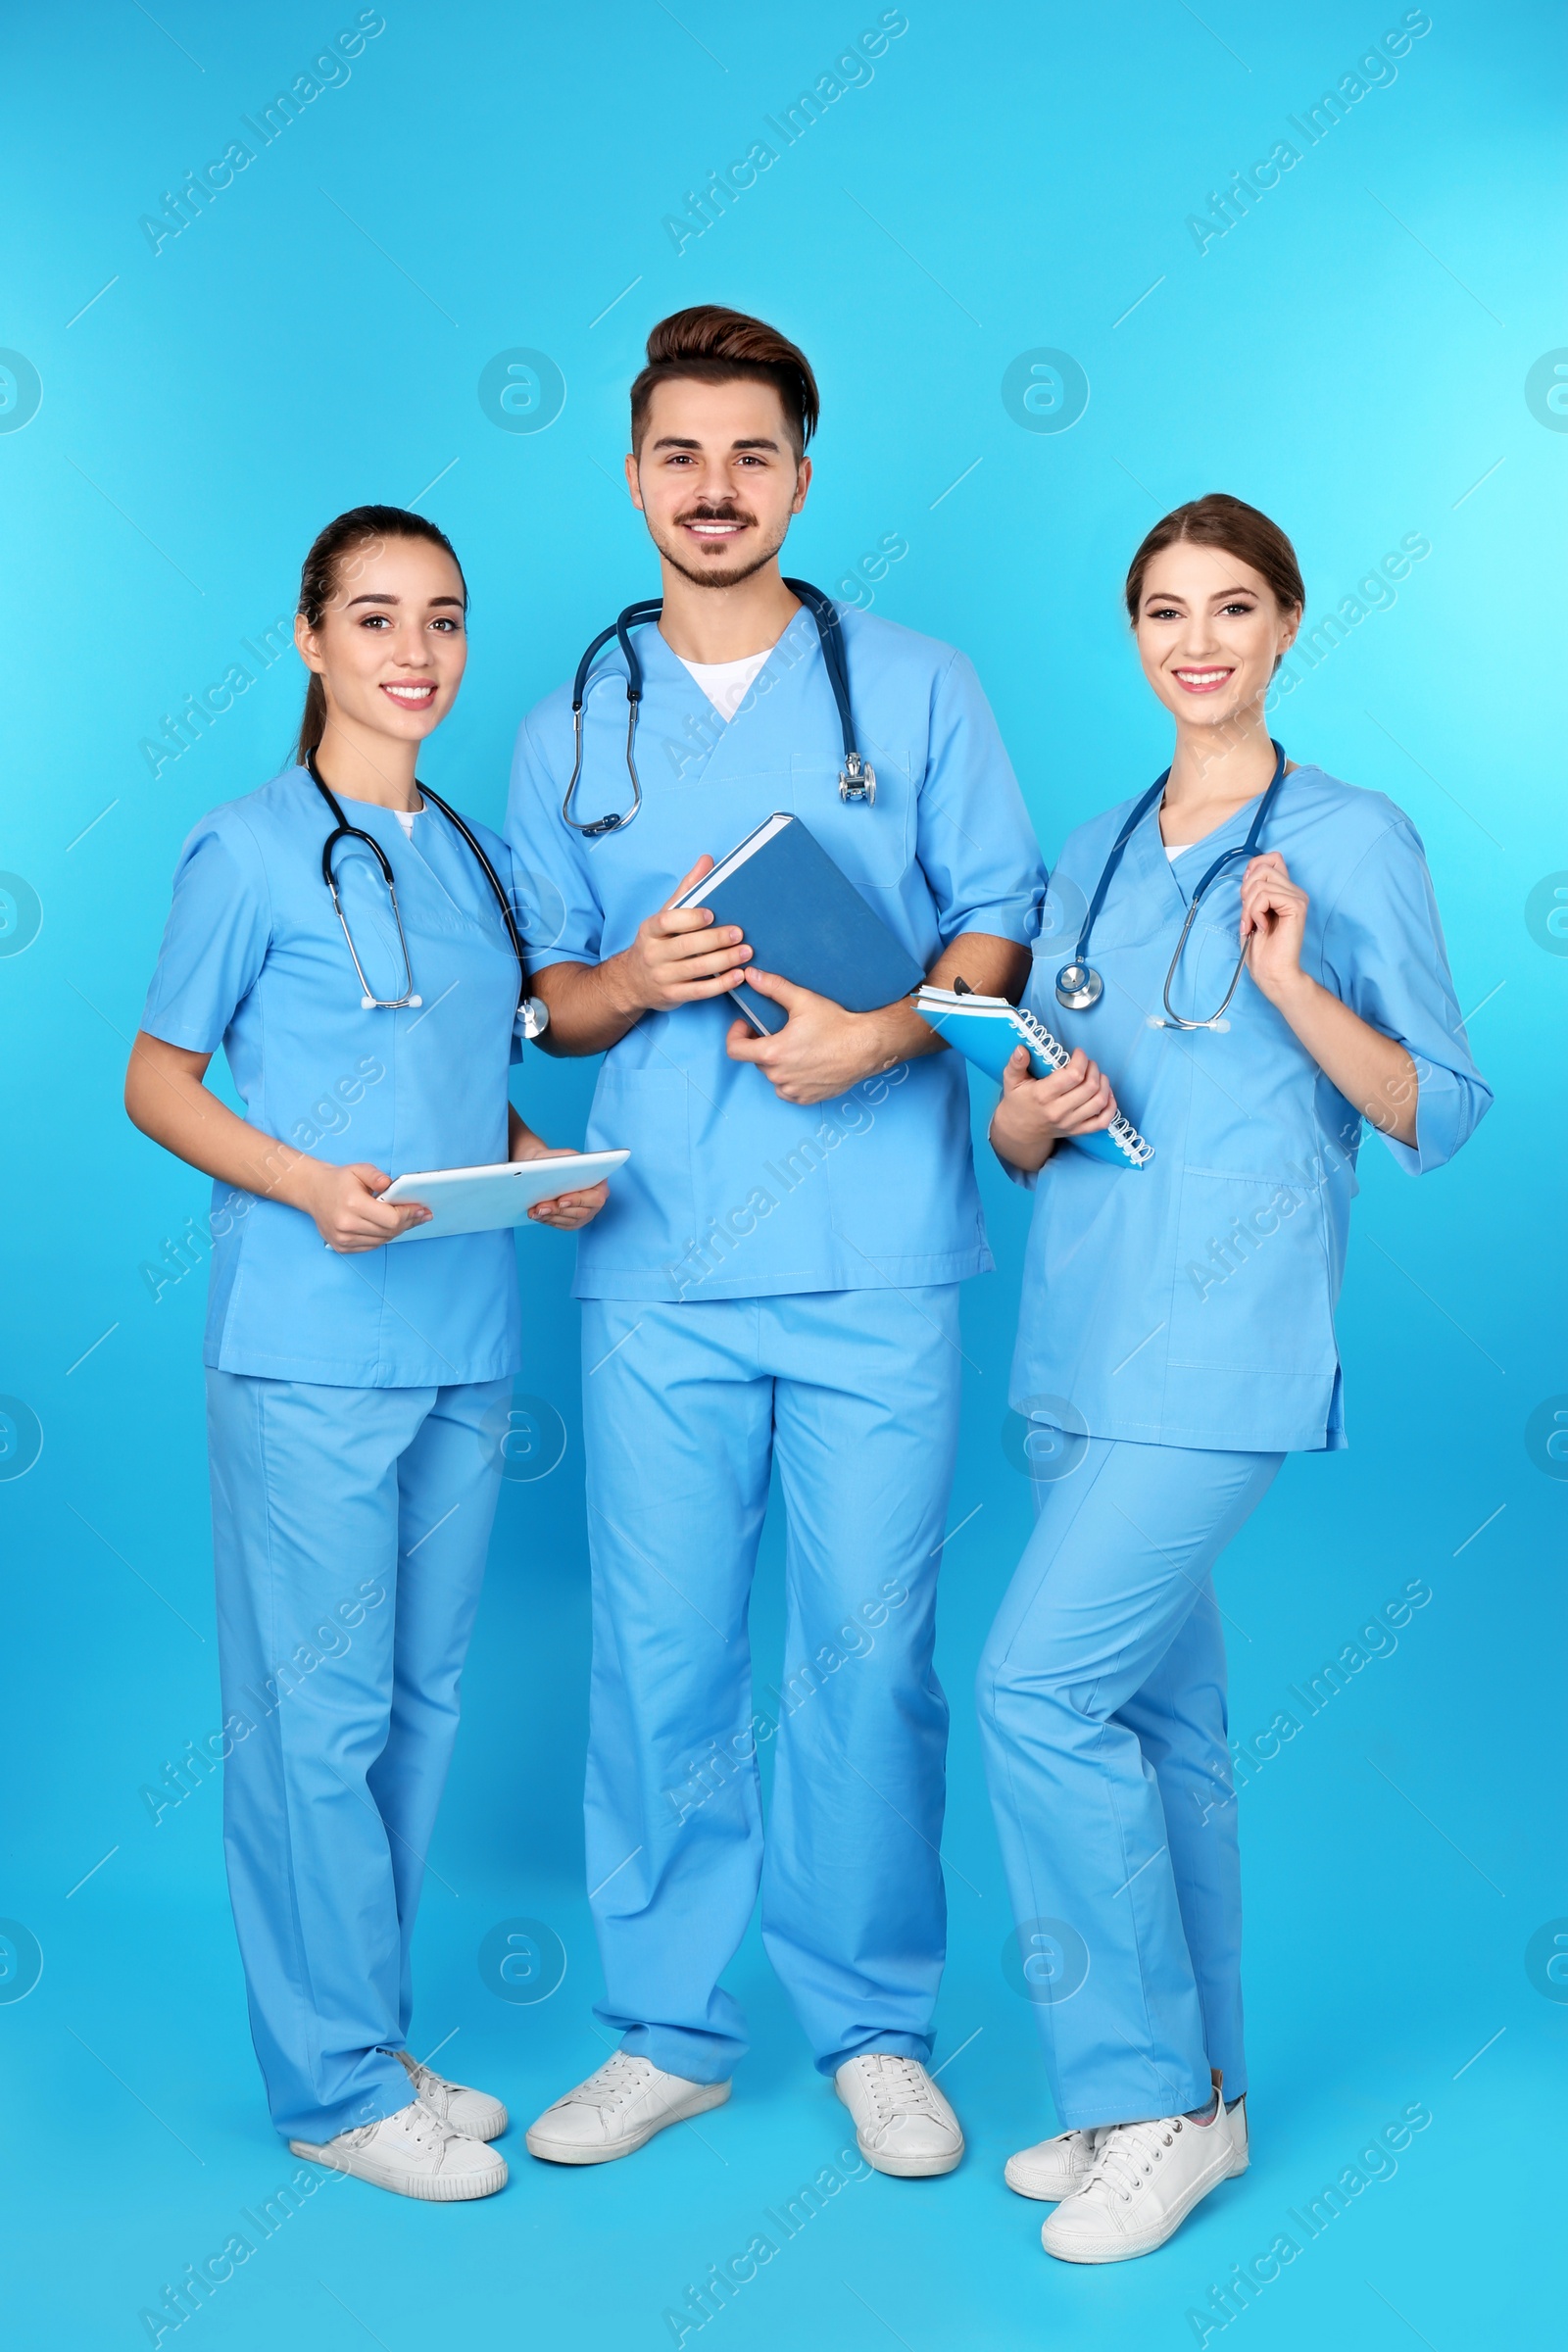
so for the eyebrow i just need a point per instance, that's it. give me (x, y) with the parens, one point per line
(1166, 596)
(682, 441)
(376, 596)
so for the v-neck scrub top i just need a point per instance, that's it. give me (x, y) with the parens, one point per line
(729, 1192)
(254, 960)
(1192, 1304)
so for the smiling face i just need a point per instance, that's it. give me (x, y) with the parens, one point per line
(1209, 633)
(391, 645)
(717, 478)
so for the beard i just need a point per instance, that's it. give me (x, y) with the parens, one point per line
(712, 575)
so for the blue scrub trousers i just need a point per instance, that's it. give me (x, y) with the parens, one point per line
(853, 1394)
(349, 1534)
(1101, 1695)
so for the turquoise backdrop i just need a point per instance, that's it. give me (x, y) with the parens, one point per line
(1059, 268)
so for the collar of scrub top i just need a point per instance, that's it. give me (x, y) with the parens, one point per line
(856, 778)
(532, 1017)
(1079, 984)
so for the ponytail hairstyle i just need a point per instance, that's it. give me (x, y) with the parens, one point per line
(719, 346)
(328, 571)
(1228, 524)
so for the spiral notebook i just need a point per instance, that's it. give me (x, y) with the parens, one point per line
(988, 1031)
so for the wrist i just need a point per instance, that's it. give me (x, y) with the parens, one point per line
(1291, 993)
(297, 1183)
(621, 998)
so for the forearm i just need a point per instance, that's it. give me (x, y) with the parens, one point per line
(167, 1098)
(1373, 1072)
(591, 1006)
(989, 967)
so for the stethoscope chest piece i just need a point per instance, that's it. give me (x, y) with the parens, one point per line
(1078, 986)
(857, 781)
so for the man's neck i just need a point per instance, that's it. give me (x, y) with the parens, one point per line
(704, 624)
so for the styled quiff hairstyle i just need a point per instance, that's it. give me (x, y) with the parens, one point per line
(323, 581)
(1228, 524)
(717, 346)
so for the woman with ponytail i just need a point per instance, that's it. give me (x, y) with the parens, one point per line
(357, 1393)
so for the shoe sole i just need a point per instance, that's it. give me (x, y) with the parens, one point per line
(549, 2151)
(432, 2188)
(1130, 2249)
(910, 2167)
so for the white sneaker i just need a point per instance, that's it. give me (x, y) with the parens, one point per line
(1146, 2180)
(1236, 2117)
(474, 2113)
(1053, 2168)
(902, 2124)
(414, 2153)
(617, 2111)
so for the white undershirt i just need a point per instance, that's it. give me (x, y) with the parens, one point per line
(406, 818)
(1177, 848)
(726, 684)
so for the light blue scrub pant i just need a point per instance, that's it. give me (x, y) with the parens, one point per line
(855, 1396)
(349, 1534)
(1101, 1695)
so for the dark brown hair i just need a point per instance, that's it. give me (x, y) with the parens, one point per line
(321, 581)
(1222, 522)
(721, 347)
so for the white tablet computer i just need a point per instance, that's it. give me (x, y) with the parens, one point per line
(480, 1199)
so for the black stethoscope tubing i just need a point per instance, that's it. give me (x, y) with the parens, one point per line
(856, 779)
(1079, 986)
(344, 831)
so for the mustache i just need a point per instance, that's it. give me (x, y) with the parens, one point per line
(727, 512)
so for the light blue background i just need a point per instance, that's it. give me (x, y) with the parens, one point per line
(1353, 357)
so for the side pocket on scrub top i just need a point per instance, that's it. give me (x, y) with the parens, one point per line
(651, 1199)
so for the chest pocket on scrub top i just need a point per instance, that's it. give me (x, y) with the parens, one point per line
(870, 845)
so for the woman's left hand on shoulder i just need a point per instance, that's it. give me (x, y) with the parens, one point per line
(1273, 925)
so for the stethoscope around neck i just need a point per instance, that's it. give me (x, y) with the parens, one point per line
(532, 1017)
(856, 778)
(1079, 986)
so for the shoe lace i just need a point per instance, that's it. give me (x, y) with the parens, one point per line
(615, 2085)
(898, 2086)
(1127, 2155)
(420, 2124)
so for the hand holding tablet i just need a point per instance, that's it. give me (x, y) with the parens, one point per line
(483, 1200)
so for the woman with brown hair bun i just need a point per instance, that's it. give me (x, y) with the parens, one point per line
(1257, 968)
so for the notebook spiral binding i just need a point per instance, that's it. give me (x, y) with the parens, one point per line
(1050, 1048)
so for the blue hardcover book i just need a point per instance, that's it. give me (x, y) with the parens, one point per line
(803, 918)
(988, 1031)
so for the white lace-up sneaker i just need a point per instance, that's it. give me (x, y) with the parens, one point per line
(415, 2154)
(902, 2124)
(1147, 2178)
(474, 2113)
(617, 2111)
(1053, 2168)
(1236, 2117)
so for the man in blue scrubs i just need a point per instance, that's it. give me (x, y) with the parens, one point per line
(774, 1278)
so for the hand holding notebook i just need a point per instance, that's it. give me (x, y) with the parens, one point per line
(988, 1031)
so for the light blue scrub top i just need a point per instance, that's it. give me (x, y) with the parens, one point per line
(254, 960)
(729, 1192)
(1192, 1303)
